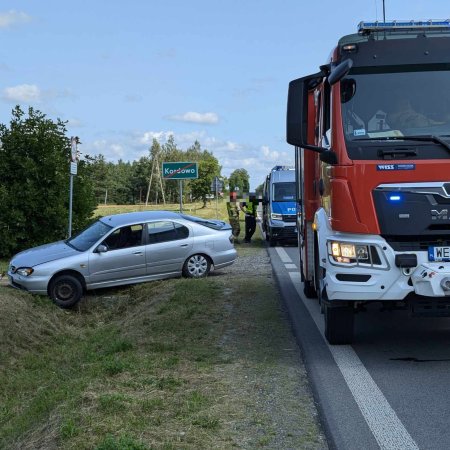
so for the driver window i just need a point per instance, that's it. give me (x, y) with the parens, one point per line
(129, 236)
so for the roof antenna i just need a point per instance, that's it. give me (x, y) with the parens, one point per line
(384, 13)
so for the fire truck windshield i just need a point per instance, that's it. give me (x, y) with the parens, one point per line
(395, 103)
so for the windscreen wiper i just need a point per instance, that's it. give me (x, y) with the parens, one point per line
(423, 138)
(397, 153)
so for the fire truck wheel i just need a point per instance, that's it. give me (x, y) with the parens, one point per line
(309, 289)
(338, 324)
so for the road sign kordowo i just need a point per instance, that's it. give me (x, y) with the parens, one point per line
(179, 170)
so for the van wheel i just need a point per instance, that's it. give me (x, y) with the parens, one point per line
(66, 291)
(272, 242)
(338, 323)
(196, 266)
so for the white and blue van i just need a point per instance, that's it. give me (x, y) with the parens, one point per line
(279, 205)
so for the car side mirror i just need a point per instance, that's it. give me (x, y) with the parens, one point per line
(102, 248)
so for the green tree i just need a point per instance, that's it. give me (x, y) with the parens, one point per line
(208, 168)
(239, 179)
(34, 182)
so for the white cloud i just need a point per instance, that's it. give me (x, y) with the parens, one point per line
(195, 117)
(12, 17)
(74, 123)
(30, 93)
(22, 93)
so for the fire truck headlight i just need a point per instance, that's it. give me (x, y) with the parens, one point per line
(344, 252)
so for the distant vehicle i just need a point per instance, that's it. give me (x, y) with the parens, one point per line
(124, 249)
(279, 221)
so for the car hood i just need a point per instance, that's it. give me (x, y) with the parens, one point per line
(42, 254)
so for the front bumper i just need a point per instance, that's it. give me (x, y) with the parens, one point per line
(282, 231)
(33, 284)
(384, 281)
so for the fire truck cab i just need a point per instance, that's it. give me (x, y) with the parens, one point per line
(371, 131)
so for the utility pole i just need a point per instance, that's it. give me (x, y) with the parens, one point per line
(74, 141)
(155, 163)
(384, 13)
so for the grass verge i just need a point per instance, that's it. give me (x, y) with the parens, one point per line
(175, 364)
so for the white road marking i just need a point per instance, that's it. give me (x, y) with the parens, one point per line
(290, 266)
(283, 255)
(382, 420)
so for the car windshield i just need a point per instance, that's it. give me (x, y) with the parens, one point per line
(396, 103)
(89, 236)
(284, 192)
(214, 224)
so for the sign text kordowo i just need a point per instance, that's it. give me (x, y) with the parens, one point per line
(179, 170)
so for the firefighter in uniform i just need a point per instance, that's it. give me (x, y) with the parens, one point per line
(249, 209)
(233, 215)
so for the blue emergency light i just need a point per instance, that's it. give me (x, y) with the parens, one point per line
(395, 198)
(403, 25)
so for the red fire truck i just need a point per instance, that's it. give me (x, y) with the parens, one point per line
(371, 131)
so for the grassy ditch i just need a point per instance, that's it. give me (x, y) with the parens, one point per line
(175, 364)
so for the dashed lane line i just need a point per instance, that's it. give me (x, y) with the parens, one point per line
(387, 428)
(283, 255)
(290, 266)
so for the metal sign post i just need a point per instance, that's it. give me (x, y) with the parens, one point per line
(73, 171)
(216, 186)
(181, 195)
(180, 171)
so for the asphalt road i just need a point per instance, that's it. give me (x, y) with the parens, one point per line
(390, 389)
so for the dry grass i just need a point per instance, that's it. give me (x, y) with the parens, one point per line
(174, 364)
(212, 210)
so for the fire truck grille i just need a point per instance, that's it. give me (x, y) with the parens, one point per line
(416, 243)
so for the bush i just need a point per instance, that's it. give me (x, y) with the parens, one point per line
(34, 183)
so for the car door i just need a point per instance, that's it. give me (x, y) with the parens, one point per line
(124, 258)
(169, 243)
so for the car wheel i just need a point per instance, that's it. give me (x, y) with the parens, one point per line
(66, 291)
(196, 266)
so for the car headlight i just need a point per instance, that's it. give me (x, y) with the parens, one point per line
(347, 253)
(24, 271)
(276, 216)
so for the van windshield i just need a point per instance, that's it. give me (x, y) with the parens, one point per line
(284, 192)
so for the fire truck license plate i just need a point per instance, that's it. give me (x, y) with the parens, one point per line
(439, 253)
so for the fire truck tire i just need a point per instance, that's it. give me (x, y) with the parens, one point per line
(338, 324)
(309, 289)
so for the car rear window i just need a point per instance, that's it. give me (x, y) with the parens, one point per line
(215, 225)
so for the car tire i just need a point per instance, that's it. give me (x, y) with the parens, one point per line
(196, 266)
(65, 291)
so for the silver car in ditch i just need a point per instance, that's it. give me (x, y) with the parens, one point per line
(124, 249)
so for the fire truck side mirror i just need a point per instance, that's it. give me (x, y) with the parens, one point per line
(297, 110)
(296, 113)
(340, 71)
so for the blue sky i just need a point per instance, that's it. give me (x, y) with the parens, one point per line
(123, 73)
